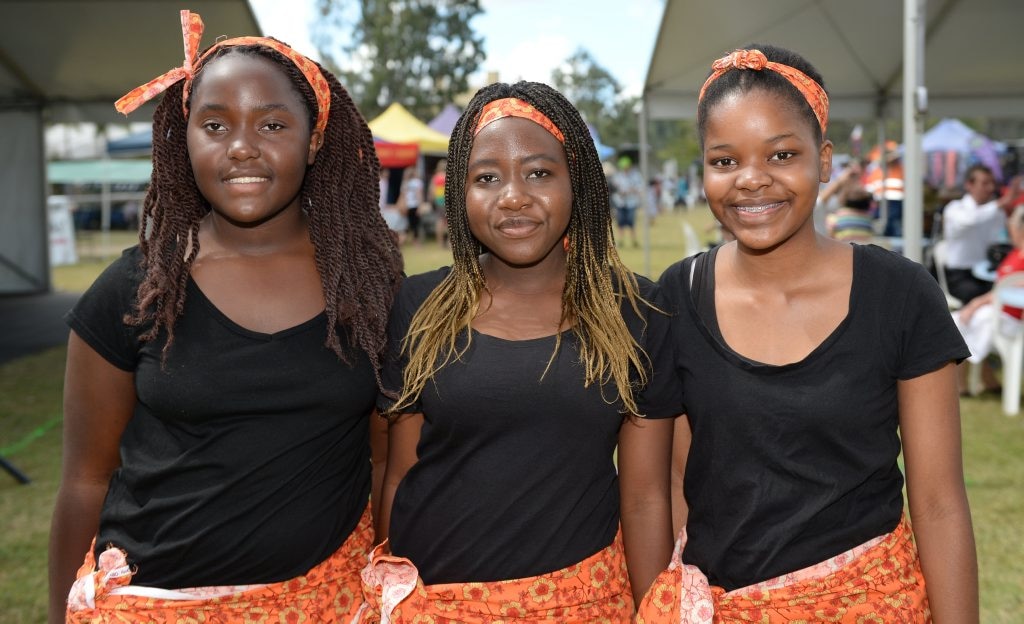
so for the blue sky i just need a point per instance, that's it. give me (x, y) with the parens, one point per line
(524, 39)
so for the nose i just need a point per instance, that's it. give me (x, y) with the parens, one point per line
(243, 145)
(752, 177)
(513, 195)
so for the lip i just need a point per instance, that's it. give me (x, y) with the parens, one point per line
(517, 227)
(245, 179)
(758, 208)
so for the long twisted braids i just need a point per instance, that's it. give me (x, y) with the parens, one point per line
(596, 279)
(356, 255)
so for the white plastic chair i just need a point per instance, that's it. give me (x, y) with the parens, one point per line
(939, 256)
(691, 242)
(1009, 340)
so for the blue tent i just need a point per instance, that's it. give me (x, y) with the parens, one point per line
(604, 152)
(137, 144)
(445, 120)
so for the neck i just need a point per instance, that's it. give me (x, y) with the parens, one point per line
(284, 231)
(783, 266)
(543, 278)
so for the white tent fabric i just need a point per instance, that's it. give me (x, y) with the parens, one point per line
(970, 54)
(24, 266)
(69, 60)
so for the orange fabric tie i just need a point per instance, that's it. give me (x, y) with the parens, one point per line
(757, 61)
(514, 107)
(192, 34)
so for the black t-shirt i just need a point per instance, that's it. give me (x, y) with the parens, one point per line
(247, 457)
(791, 465)
(515, 475)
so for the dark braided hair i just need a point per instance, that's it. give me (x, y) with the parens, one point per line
(746, 80)
(356, 254)
(596, 279)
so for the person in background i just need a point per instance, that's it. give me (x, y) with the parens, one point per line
(628, 193)
(520, 370)
(436, 195)
(222, 374)
(969, 226)
(852, 222)
(409, 201)
(807, 365)
(886, 186)
(975, 321)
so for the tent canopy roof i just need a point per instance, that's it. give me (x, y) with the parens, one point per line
(397, 125)
(972, 66)
(446, 119)
(115, 171)
(79, 57)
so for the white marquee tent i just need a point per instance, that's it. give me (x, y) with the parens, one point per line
(67, 61)
(963, 58)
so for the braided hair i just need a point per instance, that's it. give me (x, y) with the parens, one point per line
(746, 80)
(356, 255)
(596, 279)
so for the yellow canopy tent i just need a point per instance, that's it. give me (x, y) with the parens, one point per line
(397, 125)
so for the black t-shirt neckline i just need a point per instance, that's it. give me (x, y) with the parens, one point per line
(701, 304)
(224, 319)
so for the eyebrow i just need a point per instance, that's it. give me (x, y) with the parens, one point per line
(263, 108)
(768, 141)
(491, 162)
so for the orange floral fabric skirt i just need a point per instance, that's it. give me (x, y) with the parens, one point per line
(593, 590)
(878, 582)
(329, 592)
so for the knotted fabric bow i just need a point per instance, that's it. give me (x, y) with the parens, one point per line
(757, 61)
(192, 34)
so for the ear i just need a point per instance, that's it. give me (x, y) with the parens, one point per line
(825, 161)
(316, 141)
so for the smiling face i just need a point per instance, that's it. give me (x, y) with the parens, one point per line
(249, 139)
(518, 193)
(762, 167)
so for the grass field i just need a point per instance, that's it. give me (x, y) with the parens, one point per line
(30, 410)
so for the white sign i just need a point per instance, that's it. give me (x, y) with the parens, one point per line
(62, 231)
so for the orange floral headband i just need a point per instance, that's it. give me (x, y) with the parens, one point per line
(192, 33)
(514, 107)
(756, 60)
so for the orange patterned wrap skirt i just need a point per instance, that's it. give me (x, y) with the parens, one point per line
(878, 582)
(329, 592)
(593, 590)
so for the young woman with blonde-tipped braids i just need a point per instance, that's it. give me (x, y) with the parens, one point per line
(807, 365)
(222, 374)
(516, 372)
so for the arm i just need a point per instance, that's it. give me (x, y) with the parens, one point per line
(378, 461)
(972, 306)
(1010, 194)
(930, 430)
(680, 451)
(403, 436)
(645, 449)
(99, 400)
(956, 219)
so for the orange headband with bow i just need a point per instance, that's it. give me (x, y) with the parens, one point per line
(192, 33)
(756, 60)
(514, 107)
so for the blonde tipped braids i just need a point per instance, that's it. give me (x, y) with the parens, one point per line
(596, 279)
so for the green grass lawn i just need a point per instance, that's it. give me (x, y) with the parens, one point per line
(30, 410)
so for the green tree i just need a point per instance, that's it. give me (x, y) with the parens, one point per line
(419, 53)
(596, 93)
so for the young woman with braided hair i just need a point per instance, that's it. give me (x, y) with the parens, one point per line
(807, 365)
(519, 369)
(222, 374)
